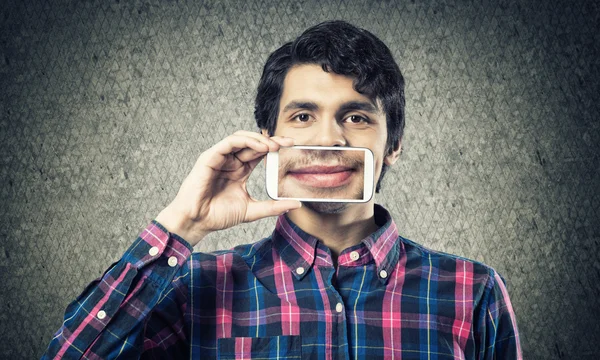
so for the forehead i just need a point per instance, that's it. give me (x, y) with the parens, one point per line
(308, 82)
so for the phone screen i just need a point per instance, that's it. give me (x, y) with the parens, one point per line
(321, 174)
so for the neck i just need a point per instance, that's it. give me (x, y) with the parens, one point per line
(337, 231)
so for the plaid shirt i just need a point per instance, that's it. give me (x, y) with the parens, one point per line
(282, 298)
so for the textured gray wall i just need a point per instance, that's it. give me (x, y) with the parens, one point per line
(105, 106)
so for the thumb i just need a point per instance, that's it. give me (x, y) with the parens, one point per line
(262, 209)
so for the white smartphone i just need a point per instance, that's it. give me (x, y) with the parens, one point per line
(320, 174)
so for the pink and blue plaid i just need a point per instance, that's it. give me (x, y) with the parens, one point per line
(395, 300)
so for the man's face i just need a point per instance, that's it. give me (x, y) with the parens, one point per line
(322, 108)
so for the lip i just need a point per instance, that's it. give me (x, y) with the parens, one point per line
(323, 176)
(321, 169)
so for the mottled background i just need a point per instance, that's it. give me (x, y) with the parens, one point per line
(105, 106)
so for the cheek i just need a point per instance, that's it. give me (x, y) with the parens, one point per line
(378, 165)
(281, 130)
(378, 157)
(287, 133)
(302, 136)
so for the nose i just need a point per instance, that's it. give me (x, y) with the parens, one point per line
(329, 133)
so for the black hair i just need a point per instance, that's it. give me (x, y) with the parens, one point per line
(344, 49)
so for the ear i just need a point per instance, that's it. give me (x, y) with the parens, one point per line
(391, 158)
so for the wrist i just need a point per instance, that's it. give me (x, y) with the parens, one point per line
(177, 224)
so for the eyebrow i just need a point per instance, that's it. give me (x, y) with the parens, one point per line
(345, 107)
(359, 105)
(301, 105)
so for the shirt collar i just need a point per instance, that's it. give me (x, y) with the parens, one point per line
(383, 244)
(298, 248)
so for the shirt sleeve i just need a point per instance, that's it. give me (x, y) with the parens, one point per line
(498, 323)
(135, 309)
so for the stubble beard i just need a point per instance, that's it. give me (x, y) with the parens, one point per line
(326, 207)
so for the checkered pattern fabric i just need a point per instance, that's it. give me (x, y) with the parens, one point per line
(282, 297)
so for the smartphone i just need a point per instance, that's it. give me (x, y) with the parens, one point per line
(320, 174)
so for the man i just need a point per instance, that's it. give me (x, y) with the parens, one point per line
(334, 280)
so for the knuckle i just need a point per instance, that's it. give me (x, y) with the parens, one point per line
(244, 133)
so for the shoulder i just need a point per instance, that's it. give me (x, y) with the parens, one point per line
(450, 264)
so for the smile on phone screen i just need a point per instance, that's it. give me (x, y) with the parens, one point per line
(321, 174)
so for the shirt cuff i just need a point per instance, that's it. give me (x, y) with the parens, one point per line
(155, 242)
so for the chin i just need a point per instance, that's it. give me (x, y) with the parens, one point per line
(326, 207)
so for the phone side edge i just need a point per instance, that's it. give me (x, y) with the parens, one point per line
(272, 174)
(369, 182)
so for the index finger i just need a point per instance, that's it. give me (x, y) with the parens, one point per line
(246, 155)
(235, 143)
(218, 155)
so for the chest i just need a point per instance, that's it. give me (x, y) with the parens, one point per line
(326, 314)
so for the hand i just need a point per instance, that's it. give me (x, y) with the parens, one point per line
(214, 196)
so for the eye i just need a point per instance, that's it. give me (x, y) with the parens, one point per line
(302, 117)
(357, 119)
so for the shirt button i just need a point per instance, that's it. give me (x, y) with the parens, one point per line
(101, 314)
(339, 307)
(300, 270)
(153, 251)
(172, 261)
(383, 274)
(354, 255)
